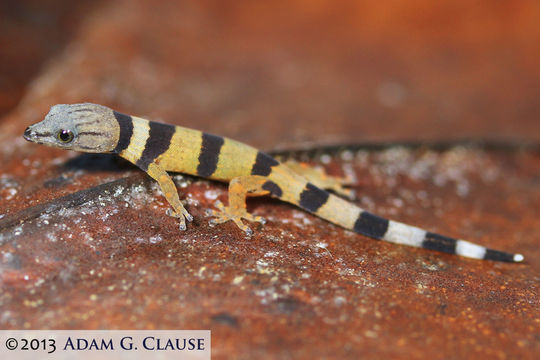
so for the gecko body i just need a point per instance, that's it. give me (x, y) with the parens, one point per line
(158, 148)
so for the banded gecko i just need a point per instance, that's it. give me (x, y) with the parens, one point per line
(158, 148)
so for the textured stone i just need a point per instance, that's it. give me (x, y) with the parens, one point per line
(277, 74)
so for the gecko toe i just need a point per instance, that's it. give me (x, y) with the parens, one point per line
(182, 216)
(219, 205)
(226, 213)
(258, 219)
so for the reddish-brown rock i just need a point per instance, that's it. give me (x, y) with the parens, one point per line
(279, 74)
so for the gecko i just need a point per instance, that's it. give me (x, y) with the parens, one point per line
(158, 149)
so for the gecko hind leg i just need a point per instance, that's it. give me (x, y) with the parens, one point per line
(318, 177)
(239, 188)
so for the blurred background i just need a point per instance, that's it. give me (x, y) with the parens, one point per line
(282, 73)
(279, 74)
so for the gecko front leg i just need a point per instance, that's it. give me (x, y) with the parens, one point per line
(239, 188)
(171, 194)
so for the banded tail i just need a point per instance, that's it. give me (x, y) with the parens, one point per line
(341, 212)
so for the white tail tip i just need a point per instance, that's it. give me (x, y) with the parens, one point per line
(518, 258)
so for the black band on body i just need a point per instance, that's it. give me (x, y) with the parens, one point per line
(371, 225)
(438, 242)
(209, 155)
(273, 188)
(263, 164)
(312, 198)
(126, 131)
(159, 140)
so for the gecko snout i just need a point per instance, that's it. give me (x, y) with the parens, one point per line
(28, 134)
(31, 135)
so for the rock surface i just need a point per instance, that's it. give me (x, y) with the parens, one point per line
(279, 75)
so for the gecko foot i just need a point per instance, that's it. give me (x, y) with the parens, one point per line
(318, 177)
(226, 213)
(182, 216)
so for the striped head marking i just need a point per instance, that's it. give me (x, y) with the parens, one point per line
(80, 127)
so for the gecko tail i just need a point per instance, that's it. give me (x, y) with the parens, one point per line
(348, 215)
(392, 231)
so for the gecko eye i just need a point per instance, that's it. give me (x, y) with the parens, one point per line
(65, 136)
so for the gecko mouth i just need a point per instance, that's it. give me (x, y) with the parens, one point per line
(28, 134)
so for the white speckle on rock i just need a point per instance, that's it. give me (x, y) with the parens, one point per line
(339, 300)
(347, 155)
(262, 263)
(118, 191)
(397, 202)
(211, 194)
(51, 237)
(237, 280)
(462, 188)
(326, 159)
(155, 239)
(271, 254)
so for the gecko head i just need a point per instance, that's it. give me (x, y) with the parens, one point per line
(80, 127)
